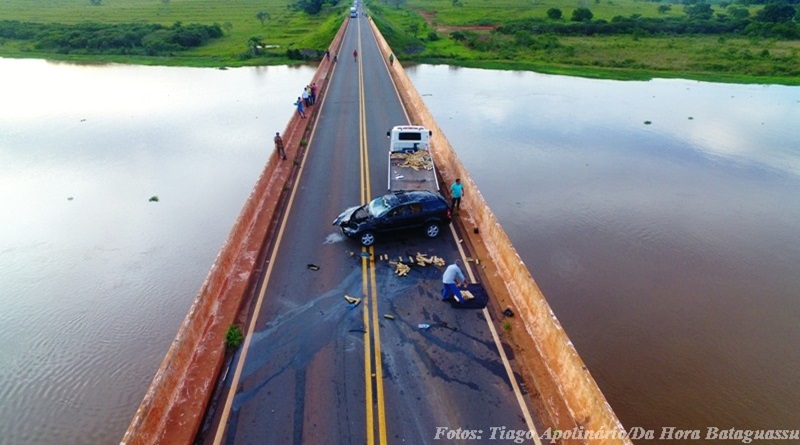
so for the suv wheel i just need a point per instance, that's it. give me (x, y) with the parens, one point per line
(367, 239)
(432, 230)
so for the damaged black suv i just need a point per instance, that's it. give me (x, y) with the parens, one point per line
(398, 210)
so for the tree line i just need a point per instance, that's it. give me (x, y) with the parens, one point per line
(312, 7)
(775, 20)
(123, 38)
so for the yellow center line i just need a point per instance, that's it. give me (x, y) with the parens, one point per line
(378, 361)
(367, 354)
(370, 420)
(370, 287)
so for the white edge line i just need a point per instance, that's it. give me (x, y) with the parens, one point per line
(506, 364)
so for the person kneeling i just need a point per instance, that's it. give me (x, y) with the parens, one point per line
(451, 280)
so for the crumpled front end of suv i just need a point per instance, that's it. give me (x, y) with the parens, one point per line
(351, 220)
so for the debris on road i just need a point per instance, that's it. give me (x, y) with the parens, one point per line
(401, 268)
(424, 260)
(352, 300)
(388, 316)
(508, 312)
(424, 326)
(312, 266)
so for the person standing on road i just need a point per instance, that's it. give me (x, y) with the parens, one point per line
(355, 55)
(456, 192)
(279, 145)
(451, 279)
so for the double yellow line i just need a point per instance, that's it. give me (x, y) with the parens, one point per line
(373, 369)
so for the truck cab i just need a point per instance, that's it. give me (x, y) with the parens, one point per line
(408, 138)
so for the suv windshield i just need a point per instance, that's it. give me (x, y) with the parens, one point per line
(378, 206)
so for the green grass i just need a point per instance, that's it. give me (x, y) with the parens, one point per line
(234, 336)
(485, 12)
(715, 58)
(286, 28)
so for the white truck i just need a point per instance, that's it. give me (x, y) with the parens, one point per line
(410, 162)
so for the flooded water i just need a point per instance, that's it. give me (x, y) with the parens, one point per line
(95, 279)
(668, 250)
(662, 221)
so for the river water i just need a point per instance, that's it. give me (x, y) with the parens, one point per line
(95, 279)
(668, 249)
(661, 220)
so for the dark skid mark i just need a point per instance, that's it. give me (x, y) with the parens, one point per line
(299, 404)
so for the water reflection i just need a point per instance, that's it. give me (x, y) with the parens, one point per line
(94, 278)
(668, 249)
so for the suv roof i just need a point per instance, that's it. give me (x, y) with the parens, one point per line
(404, 196)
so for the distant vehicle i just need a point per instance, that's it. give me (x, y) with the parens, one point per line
(396, 211)
(353, 12)
(410, 161)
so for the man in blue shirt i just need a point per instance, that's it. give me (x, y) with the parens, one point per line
(452, 278)
(456, 192)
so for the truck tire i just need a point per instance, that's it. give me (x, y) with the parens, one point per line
(432, 230)
(367, 238)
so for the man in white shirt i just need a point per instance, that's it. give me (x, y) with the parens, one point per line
(451, 279)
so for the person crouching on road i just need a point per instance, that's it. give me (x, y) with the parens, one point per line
(451, 279)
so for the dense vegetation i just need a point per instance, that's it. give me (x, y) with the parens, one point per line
(169, 32)
(773, 21)
(122, 38)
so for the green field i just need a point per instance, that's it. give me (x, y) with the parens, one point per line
(422, 31)
(727, 58)
(285, 29)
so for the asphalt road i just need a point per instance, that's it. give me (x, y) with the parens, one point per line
(317, 370)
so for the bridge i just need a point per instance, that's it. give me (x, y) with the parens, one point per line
(315, 368)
